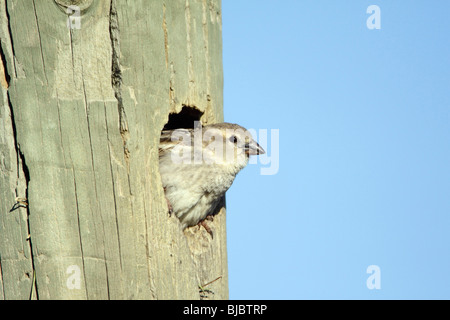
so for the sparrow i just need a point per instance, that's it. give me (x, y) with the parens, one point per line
(198, 166)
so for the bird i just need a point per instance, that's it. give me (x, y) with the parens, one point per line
(198, 165)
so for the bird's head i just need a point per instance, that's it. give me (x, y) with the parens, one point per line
(232, 144)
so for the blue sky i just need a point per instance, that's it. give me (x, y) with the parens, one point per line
(364, 149)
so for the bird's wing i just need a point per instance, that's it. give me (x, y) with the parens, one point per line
(171, 138)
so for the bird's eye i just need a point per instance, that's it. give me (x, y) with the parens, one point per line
(233, 139)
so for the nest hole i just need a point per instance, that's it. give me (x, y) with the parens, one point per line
(184, 119)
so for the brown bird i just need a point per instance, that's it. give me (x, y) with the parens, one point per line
(198, 166)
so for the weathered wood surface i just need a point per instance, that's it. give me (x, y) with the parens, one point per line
(81, 112)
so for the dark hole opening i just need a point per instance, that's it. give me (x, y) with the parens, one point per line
(184, 119)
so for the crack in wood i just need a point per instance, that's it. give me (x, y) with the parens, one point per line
(116, 74)
(40, 41)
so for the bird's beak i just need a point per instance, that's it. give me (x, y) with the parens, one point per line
(253, 148)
